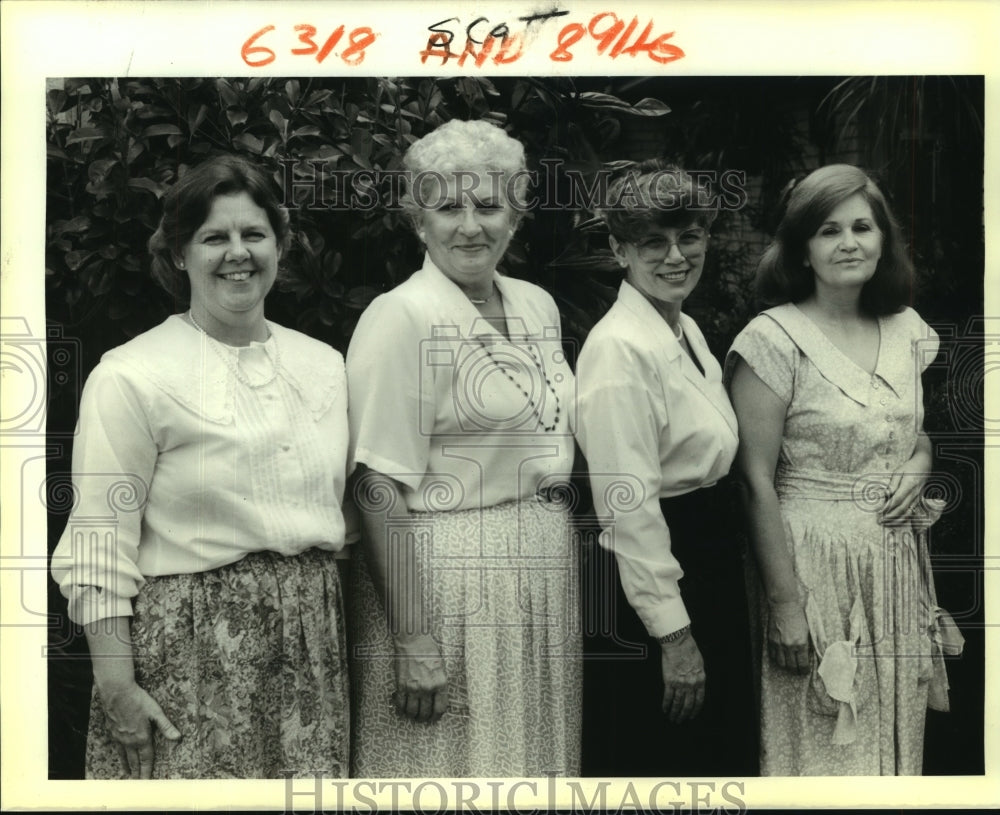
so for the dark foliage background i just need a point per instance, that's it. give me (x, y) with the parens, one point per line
(116, 144)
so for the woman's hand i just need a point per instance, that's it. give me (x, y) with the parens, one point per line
(904, 489)
(907, 482)
(683, 678)
(130, 712)
(788, 636)
(421, 682)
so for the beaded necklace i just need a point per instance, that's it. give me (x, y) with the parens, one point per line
(535, 409)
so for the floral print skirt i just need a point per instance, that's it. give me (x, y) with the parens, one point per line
(248, 661)
(501, 587)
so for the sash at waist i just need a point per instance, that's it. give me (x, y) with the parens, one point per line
(866, 489)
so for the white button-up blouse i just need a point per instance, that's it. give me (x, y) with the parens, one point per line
(190, 454)
(651, 426)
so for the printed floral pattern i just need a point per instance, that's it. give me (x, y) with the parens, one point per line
(868, 593)
(502, 590)
(248, 661)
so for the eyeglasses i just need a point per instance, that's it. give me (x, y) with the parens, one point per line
(655, 249)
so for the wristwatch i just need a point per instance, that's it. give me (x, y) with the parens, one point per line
(673, 636)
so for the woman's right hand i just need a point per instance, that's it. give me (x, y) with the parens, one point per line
(421, 682)
(131, 712)
(788, 636)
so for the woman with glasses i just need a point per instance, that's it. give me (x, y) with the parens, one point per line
(659, 435)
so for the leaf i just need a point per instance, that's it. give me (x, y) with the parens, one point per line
(196, 117)
(306, 130)
(81, 223)
(236, 116)
(86, 134)
(161, 130)
(359, 297)
(248, 141)
(147, 184)
(76, 258)
(292, 91)
(279, 121)
(227, 92)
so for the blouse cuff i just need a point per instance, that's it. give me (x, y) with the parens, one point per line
(665, 617)
(89, 604)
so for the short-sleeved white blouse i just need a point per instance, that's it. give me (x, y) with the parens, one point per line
(448, 407)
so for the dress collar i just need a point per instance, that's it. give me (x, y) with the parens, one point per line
(182, 363)
(892, 366)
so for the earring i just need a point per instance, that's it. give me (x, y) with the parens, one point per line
(180, 264)
(422, 235)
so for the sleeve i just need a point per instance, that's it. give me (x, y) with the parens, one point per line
(769, 352)
(619, 435)
(114, 456)
(926, 342)
(390, 393)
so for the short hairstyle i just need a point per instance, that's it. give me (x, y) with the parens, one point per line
(782, 275)
(186, 206)
(474, 146)
(654, 193)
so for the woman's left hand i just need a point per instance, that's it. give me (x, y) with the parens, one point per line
(904, 489)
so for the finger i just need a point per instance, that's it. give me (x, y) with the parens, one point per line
(162, 722)
(687, 711)
(146, 760)
(801, 659)
(411, 705)
(699, 701)
(425, 707)
(678, 705)
(133, 762)
(440, 703)
(668, 699)
(894, 483)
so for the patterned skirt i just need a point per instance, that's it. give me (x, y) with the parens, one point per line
(249, 662)
(501, 588)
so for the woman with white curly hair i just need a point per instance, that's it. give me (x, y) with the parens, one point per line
(467, 652)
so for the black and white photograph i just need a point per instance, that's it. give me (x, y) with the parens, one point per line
(481, 407)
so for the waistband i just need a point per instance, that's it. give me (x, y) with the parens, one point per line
(824, 485)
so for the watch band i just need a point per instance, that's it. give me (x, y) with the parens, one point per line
(673, 636)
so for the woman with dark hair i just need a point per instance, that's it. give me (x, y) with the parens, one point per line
(659, 435)
(467, 656)
(216, 443)
(833, 460)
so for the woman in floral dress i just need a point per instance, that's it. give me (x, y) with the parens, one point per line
(826, 387)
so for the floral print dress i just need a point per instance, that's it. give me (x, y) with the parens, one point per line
(869, 597)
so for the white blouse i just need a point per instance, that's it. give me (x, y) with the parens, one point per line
(651, 426)
(190, 454)
(442, 403)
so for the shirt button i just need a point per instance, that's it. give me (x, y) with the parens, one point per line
(883, 401)
(286, 447)
(892, 434)
(874, 383)
(888, 418)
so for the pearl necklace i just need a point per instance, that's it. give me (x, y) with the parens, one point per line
(535, 409)
(477, 302)
(234, 365)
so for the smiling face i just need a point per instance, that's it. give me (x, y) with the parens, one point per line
(231, 262)
(467, 232)
(845, 250)
(665, 263)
